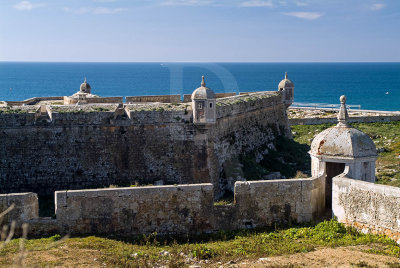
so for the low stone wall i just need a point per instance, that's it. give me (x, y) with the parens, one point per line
(371, 208)
(188, 97)
(26, 207)
(360, 119)
(136, 210)
(184, 209)
(69, 100)
(156, 98)
(224, 95)
(180, 209)
(264, 203)
(34, 100)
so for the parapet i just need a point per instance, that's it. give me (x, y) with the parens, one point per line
(155, 98)
(369, 207)
(175, 209)
(24, 206)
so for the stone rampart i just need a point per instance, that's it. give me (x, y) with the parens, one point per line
(371, 208)
(245, 124)
(70, 101)
(180, 209)
(34, 100)
(56, 147)
(188, 97)
(156, 98)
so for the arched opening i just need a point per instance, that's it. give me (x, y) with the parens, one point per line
(332, 169)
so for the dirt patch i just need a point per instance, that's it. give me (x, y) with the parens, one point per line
(57, 257)
(355, 256)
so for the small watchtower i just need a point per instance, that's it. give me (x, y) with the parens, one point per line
(85, 87)
(287, 87)
(340, 149)
(203, 105)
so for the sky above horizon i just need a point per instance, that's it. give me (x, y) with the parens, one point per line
(200, 30)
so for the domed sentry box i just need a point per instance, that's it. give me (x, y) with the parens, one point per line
(85, 87)
(342, 148)
(203, 104)
(287, 87)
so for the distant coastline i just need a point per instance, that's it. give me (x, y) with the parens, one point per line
(373, 85)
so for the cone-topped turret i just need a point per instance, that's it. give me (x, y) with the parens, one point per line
(203, 104)
(85, 87)
(345, 144)
(287, 88)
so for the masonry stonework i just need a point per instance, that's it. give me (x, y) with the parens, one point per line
(180, 209)
(89, 146)
(369, 207)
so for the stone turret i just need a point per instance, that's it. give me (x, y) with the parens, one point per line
(343, 149)
(203, 104)
(85, 87)
(83, 96)
(287, 87)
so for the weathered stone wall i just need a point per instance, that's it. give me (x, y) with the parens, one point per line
(96, 149)
(33, 100)
(139, 210)
(265, 203)
(90, 146)
(155, 98)
(247, 123)
(26, 207)
(369, 207)
(180, 209)
(70, 101)
(188, 97)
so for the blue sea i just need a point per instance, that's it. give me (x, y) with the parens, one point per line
(372, 85)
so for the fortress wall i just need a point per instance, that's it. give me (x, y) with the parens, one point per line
(16, 119)
(358, 119)
(371, 208)
(231, 106)
(33, 100)
(157, 98)
(224, 95)
(96, 149)
(185, 209)
(264, 203)
(26, 208)
(106, 100)
(91, 146)
(245, 124)
(188, 97)
(70, 101)
(160, 116)
(180, 209)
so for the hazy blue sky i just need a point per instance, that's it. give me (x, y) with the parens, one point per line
(200, 30)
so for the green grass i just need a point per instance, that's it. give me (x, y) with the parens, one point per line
(153, 250)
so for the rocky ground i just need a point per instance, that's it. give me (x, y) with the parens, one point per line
(297, 113)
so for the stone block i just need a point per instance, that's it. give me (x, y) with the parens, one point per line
(60, 199)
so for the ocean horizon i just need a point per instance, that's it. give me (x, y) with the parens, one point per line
(372, 85)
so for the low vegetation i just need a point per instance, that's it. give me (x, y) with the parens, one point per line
(289, 158)
(210, 250)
